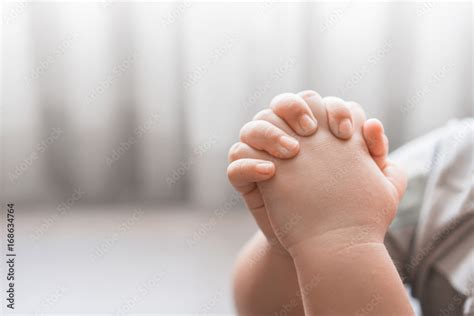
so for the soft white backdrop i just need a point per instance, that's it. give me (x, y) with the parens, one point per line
(176, 81)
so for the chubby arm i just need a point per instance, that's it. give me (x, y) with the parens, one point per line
(265, 281)
(251, 162)
(362, 275)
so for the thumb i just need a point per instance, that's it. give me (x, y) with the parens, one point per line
(396, 176)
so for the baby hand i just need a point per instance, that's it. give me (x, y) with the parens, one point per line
(332, 187)
(251, 159)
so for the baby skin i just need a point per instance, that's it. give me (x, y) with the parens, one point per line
(323, 203)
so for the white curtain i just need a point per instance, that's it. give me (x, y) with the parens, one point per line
(141, 101)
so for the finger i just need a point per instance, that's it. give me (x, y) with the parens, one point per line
(245, 182)
(376, 141)
(294, 111)
(339, 117)
(358, 115)
(241, 150)
(244, 173)
(265, 136)
(255, 203)
(316, 104)
(396, 176)
(270, 116)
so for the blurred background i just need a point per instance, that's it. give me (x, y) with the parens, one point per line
(116, 118)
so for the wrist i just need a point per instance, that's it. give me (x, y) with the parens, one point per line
(357, 269)
(337, 241)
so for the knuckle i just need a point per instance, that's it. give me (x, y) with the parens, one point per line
(356, 108)
(234, 152)
(307, 94)
(280, 98)
(340, 110)
(310, 96)
(236, 170)
(332, 102)
(258, 131)
(354, 105)
(231, 171)
(247, 129)
(287, 102)
(337, 109)
(263, 115)
(240, 169)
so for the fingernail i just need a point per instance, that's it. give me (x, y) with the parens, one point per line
(264, 168)
(307, 124)
(345, 127)
(289, 144)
